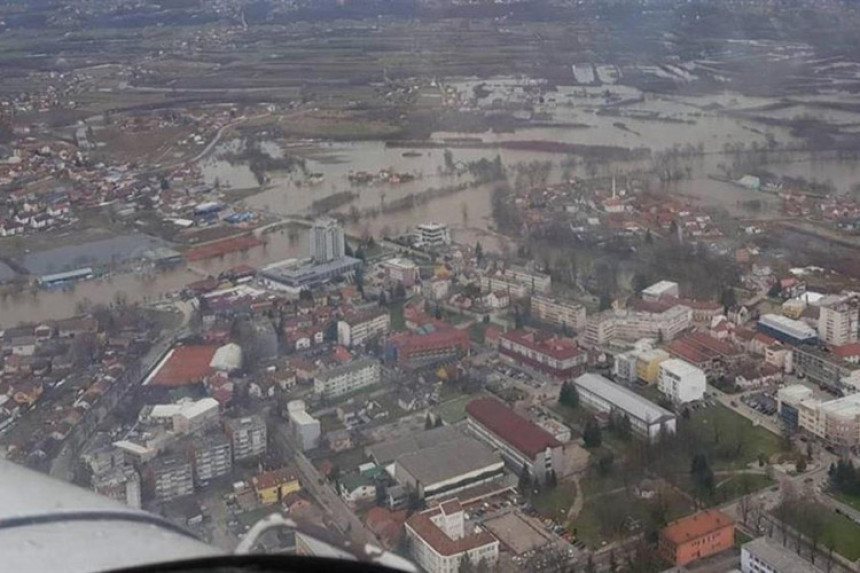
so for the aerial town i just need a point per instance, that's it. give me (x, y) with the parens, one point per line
(479, 345)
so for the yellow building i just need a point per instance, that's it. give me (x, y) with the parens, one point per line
(793, 308)
(648, 364)
(271, 487)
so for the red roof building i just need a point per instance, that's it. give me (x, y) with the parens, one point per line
(438, 343)
(185, 365)
(439, 540)
(557, 357)
(521, 442)
(695, 537)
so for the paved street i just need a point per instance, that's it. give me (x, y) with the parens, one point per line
(345, 520)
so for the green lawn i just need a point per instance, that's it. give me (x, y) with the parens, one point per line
(739, 486)
(556, 502)
(454, 411)
(573, 417)
(396, 312)
(850, 500)
(843, 533)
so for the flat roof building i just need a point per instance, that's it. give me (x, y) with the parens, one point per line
(646, 418)
(680, 381)
(765, 555)
(557, 312)
(432, 235)
(439, 540)
(247, 437)
(660, 289)
(305, 428)
(786, 329)
(349, 377)
(696, 537)
(559, 358)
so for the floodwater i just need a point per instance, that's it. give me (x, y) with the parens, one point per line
(467, 212)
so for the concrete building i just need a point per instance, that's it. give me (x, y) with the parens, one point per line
(648, 364)
(305, 428)
(558, 312)
(497, 282)
(559, 358)
(400, 270)
(273, 486)
(439, 540)
(646, 418)
(824, 368)
(519, 441)
(766, 555)
(358, 327)
(248, 437)
(121, 483)
(788, 400)
(292, 276)
(836, 421)
(169, 477)
(197, 416)
(448, 468)
(641, 319)
(660, 289)
(787, 330)
(211, 456)
(429, 343)
(534, 281)
(696, 537)
(681, 382)
(839, 319)
(349, 377)
(326, 241)
(432, 235)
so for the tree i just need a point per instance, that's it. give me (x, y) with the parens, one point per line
(702, 474)
(591, 435)
(800, 464)
(331, 331)
(589, 564)
(306, 295)
(479, 252)
(428, 421)
(649, 238)
(399, 291)
(551, 479)
(525, 481)
(569, 395)
(605, 301)
(728, 298)
(640, 283)
(604, 464)
(347, 250)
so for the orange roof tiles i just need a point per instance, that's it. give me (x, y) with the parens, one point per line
(696, 526)
(187, 365)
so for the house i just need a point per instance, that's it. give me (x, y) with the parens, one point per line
(497, 299)
(356, 488)
(23, 345)
(273, 486)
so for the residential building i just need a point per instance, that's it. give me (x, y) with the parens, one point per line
(788, 400)
(660, 289)
(273, 486)
(766, 555)
(696, 537)
(432, 235)
(305, 428)
(497, 299)
(646, 418)
(828, 369)
(121, 483)
(400, 270)
(712, 355)
(439, 540)
(558, 312)
(359, 327)
(787, 330)
(196, 416)
(429, 343)
(641, 319)
(681, 382)
(534, 281)
(449, 468)
(559, 358)
(211, 456)
(498, 282)
(169, 477)
(648, 364)
(836, 421)
(839, 319)
(326, 241)
(356, 488)
(346, 378)
(247, 437)
(600, 329)
(521, 443)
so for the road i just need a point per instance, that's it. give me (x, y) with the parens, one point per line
(343, 517)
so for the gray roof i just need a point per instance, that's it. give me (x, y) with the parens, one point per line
(447, 461)
(353, 366)
(622, 398)
(95, 253)
(387, 452)
(777, 557)
(6, 273)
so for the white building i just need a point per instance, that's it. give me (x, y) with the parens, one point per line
(326, 241)
(248, 437)
(766, 555)
(439, 540)
(401, 270)
(432, 235)
(558, 312)
(533, 281)
(661, 289)
(305, 428)
(680, 381)
(645, 320)
(646, 418)
(347, 378)
(491, 283)
(121, 483)
(839, 320)
(357, 328)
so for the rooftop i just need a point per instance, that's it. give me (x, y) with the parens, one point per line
(696, 526)
(779, 558)
(553, 346)
(424, 527)
(448, 461)
(389, 451)
(522, 434)
(274, 478)
(184, 365)
(623, 398)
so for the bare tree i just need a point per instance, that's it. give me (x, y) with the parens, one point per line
(745, 507)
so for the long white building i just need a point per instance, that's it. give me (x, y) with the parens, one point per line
(357, 328)
(646, 418)
(643, 319)
(558, 312)
(348, 377)
(680, 381)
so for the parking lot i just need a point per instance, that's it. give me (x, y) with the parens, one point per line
(516, 534)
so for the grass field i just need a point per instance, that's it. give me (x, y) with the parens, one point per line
(844, 534)
(850, 500)
(454, 410)
(556, 502)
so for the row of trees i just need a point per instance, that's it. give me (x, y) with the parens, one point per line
(845, 478)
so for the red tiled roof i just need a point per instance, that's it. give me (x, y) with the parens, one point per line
(421, 524)
(652, 306)
(523, 435)
(451, 507)
(847, 350)
(696, 526)
(187, 365)
(274, 478)
(555, 347)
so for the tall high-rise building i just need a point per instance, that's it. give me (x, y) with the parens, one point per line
(327, 242)
(839, 319)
